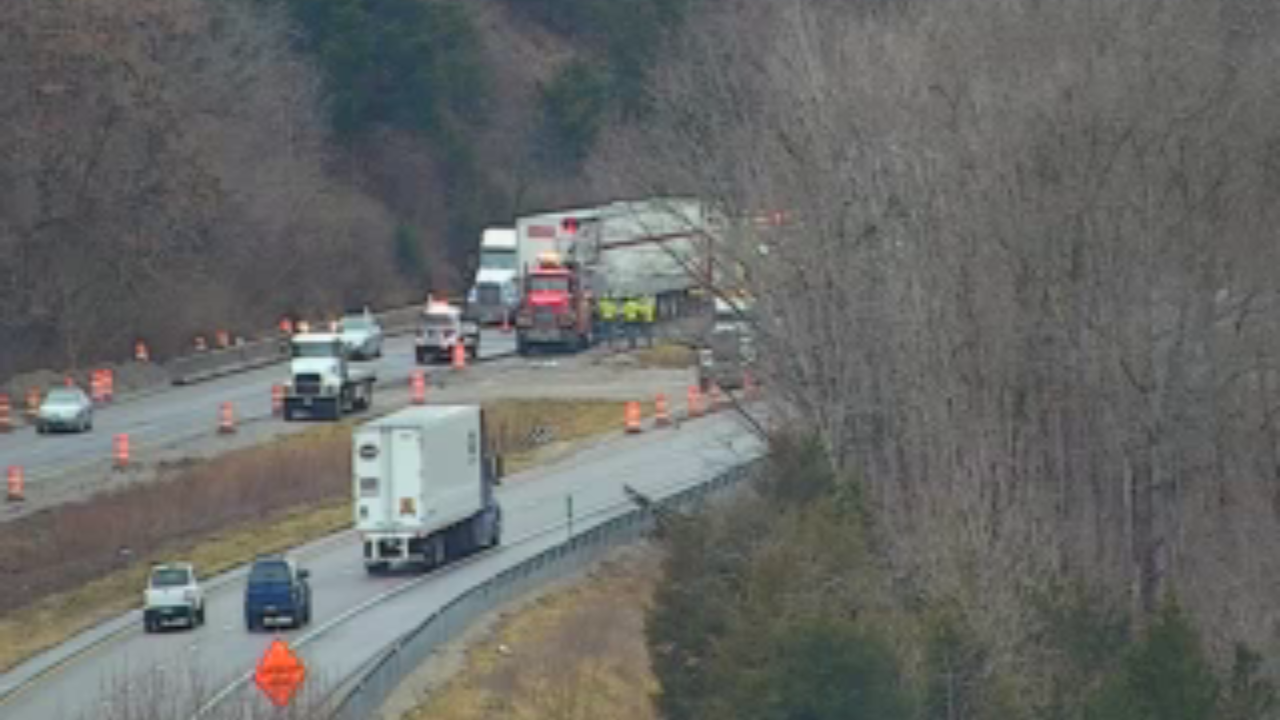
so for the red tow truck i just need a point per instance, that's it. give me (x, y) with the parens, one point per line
(555, 307)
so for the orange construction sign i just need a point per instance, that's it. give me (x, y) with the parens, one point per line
(280, 673)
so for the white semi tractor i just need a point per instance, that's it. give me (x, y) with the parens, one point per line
(424, 487)
(323, 382)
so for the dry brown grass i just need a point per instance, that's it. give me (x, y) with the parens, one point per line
(575, 654)
(667, 356)
(513, 422)
(64, 568)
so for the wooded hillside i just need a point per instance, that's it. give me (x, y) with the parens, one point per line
(168, 168)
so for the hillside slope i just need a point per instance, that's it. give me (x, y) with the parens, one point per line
(172, 168)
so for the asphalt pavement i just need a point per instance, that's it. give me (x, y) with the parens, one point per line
(180, 414)
(350, 624)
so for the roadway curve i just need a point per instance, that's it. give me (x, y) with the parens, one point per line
(350, 626)
(158, 420)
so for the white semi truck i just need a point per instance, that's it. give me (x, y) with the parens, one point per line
(424, 487)
(494, 294)
(323, 383)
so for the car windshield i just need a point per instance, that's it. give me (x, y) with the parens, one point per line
(549, 284)
(169, 577)
(313, 350)
(269, 572)
(63, 397)
(498, 259)
(356, 323)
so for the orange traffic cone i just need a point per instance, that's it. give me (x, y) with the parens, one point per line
(632, 417)
(661, 417)
(695, 402)
(418, 382)
(717, 398)
(16, 490)
(120, 451)
(459, 356)
(33, 403)
(277, 400)
(6, 417)
(226, 419)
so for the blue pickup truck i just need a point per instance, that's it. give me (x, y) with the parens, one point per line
(277, 593)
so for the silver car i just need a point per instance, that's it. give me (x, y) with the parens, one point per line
(361, 336)
(66, 408)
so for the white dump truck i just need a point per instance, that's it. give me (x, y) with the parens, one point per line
(424, 487)
(323, 382)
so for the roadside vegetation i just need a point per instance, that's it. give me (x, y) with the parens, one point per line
(71, 567)
(578, 652)
(1022, 311)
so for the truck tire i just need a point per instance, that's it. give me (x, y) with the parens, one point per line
(377, 569)
(522, 347)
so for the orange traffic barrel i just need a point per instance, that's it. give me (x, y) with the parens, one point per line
(16, 487)
(109, 384)
(506, 322)
(95, 386)
(69, 381)
(224, 339)
(304, 326)
(286, 326)
(33, 402)
(120, 451)
(716, 400)
(277, 400)
(226, 419)
(695, 402)
(6, 414)
(140, 352)
(661, 416)
(418, 383)
(459, 356)
(632, 417)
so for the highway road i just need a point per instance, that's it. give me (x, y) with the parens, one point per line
(103, 681)
(180, 413)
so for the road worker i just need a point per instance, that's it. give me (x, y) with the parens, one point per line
(648, 316)
(631, 318)
(608, 309)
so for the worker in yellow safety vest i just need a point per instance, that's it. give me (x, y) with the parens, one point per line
(608, 309)
(648, 315)
(631, 318)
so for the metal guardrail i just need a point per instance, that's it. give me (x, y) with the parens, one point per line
(383, 675)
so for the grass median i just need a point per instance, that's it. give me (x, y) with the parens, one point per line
(71, 567)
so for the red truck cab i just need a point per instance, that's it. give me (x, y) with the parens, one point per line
(554, 309)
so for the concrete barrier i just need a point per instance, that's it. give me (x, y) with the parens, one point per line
(191, 369)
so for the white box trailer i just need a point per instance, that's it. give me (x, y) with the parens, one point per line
(424, 486)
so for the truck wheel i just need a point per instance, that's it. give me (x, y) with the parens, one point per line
(148, 623)
(200, 616)
(288, 414)
(420, 357)
(377, 569)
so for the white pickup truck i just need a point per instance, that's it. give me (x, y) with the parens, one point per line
(173, 595)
